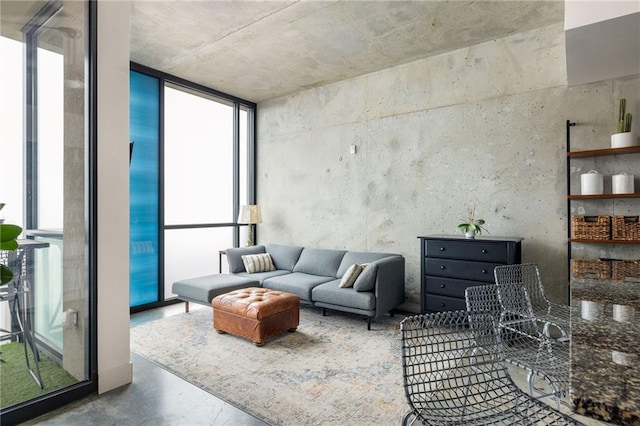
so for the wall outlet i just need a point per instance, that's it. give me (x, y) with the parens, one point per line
(71, 318)
(353, 149)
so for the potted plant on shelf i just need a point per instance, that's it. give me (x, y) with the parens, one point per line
(472, 226)
(625, 137)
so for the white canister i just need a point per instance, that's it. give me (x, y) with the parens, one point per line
(591, 311)
(592, 183)
(623, 313)
(622, 184)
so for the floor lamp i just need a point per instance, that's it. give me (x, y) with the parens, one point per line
(250, 215)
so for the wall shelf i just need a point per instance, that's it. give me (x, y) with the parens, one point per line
(605, 151)
(602, 196)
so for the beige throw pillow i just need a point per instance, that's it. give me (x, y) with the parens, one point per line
(350, 275)
(258, 263)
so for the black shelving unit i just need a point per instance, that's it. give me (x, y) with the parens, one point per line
(570, 197)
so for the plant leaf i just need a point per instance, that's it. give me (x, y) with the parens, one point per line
(9, 232)
(5, 274)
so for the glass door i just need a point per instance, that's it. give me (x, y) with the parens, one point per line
(45, 344)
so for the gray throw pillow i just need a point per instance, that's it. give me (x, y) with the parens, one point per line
(367, 279)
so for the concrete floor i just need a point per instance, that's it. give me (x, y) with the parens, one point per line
(156, 397)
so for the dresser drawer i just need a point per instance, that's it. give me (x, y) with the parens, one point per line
(449, 286)
(463, 269)
(443, 303)
(480, 250)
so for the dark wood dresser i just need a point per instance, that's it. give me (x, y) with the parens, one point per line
(450, 264)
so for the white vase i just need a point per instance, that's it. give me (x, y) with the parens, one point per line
(470, 234)
(622, 140)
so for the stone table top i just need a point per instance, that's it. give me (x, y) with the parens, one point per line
(605, 349)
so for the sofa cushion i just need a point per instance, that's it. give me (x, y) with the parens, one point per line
(234, 257)
(258, 263)
(322, 262)
(204, 289)
(360, 257)
(331, 293)
(297, 283)
(261, 276)
(351, 275)
(284, 257)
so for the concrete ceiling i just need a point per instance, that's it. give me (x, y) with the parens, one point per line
(258, 50)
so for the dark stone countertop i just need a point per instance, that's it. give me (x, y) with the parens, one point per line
(605, 350)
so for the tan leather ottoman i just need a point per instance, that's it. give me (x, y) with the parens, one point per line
(256, 313)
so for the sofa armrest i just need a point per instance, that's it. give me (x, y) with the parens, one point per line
(389, 287)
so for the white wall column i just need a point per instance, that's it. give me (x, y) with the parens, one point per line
(114, 364)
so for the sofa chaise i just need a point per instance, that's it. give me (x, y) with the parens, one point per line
(313, 274)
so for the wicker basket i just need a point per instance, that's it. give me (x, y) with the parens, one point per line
(591, 227)
(625, 270)
(591, 268)
(625, 228)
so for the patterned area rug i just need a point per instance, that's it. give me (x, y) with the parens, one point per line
(330, 371)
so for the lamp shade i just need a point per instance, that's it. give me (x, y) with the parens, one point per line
(250, 214)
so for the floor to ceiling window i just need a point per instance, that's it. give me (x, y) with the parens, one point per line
(192, 168)
(46, 344)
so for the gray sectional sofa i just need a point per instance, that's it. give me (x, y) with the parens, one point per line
(314, 275)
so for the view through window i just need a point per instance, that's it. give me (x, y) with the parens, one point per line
(191, 170)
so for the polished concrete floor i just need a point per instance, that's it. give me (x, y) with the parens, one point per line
(156, 397)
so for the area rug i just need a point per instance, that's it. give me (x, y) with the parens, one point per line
(330, 371)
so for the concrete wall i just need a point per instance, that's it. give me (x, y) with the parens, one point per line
(482, 126)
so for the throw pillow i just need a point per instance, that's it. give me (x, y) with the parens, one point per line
(350, 275)
(367, 279)
(258, 263)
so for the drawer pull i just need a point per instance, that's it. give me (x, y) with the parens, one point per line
(442, 267)
(484, 251)
(443, 305)
(442, 249)
(484, 271)
(441, 285)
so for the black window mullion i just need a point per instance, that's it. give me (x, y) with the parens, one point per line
(236, 171)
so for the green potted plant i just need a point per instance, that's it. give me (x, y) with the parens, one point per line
(8, 235)
(625, 137)
(472, 226)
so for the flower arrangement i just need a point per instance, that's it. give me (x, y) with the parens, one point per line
(472, 226)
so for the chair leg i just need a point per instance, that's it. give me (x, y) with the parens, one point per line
(186, 307)
(409, 418)
(368, 323)
(324, 312)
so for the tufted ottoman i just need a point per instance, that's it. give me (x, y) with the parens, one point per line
(256, 313)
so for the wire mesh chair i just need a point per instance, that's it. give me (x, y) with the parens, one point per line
(523, 344)
(527, 298)
(454, 374)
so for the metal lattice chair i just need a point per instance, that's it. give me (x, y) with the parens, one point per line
(521, 293)
(523, 344)
(454, 374)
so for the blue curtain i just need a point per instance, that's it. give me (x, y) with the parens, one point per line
(144, 131)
